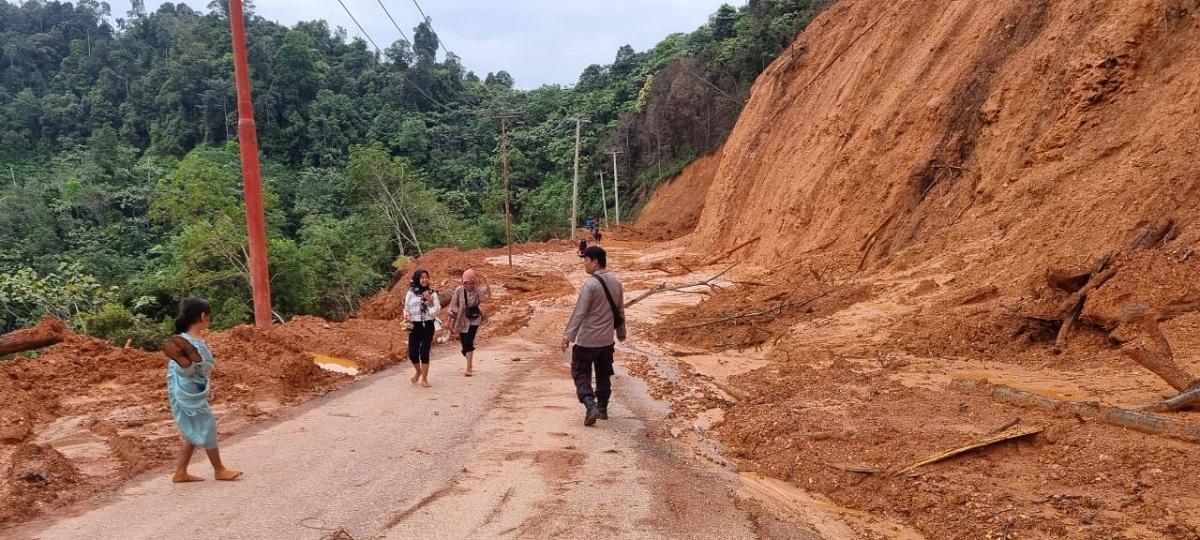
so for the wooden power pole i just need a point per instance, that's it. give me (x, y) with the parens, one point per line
(260, 284)
(504, 159)
(575, 190)
(603, 198)
(616, 186)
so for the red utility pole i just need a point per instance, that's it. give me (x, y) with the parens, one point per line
(248, 141)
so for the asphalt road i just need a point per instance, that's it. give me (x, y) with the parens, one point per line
(502, 454)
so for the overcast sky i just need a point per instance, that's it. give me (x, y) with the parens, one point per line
(537, 41)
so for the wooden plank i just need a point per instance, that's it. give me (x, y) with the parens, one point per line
(987, 441)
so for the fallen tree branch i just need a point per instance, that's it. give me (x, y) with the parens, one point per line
(987, 441)
(856, 468)
(1135, 420)
(731, 251)
(1184, 400)
(662, 287)
(1145, 343)
(1006, 425)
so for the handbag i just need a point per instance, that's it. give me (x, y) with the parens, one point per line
(472, 312)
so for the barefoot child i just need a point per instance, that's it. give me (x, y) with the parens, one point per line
(188, 386)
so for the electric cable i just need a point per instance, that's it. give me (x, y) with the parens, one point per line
(360, 28)
(389, 16)
(429, 21)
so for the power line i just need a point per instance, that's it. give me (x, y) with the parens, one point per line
(360, 28)
(380, 51)
(389, 15)
(429, 21)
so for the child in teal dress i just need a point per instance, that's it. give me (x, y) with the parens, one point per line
(188, 386)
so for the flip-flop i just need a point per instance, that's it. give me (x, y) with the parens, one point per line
(467, 374)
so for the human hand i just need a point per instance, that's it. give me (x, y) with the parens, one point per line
(428, 297)
(564, 345)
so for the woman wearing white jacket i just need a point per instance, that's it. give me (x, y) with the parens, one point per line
(421, 306)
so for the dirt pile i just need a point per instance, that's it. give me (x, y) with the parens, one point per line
(989, 140)
(925, 194)
(675, 208)
(512, 287)
(85, 415)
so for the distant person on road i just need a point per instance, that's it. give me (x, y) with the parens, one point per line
(188, 388)
(421, 306)
(582, 246)
(465, 315)
(599, 313)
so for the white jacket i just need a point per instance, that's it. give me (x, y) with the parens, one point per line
(416, 310)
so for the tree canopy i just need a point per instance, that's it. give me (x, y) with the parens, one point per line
(118, 138)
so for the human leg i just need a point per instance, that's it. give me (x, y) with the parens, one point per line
(604, 372)
(219, 470)
(181, 464)
(468, 348)
(582, 359)
(414, 351)
(426, 344)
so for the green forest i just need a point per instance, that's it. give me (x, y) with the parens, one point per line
(122, 180)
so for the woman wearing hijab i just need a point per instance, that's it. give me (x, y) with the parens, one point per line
(421, 306)
(465, 315)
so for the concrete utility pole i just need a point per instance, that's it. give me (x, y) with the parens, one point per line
(260, 283)
(616, 186)
(603, 199)
(504, 118)
(575, 190)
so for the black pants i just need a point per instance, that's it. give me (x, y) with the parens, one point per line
(583, 359)
(420, 340)
(468, 339)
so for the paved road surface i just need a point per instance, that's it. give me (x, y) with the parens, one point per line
(503, 454)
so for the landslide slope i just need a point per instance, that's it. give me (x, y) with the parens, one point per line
(989, 139)
(675, 208)
(923, 186)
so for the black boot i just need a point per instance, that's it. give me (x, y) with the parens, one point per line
(593, 412)
(603, 407)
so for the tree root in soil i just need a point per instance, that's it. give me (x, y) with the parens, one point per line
(1080, 285)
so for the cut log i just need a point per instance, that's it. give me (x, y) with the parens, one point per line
(48, 331)
(1135, 420)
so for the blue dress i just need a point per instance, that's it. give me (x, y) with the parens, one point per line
(187, 391)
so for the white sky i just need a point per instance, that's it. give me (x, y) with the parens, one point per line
(537, 41)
